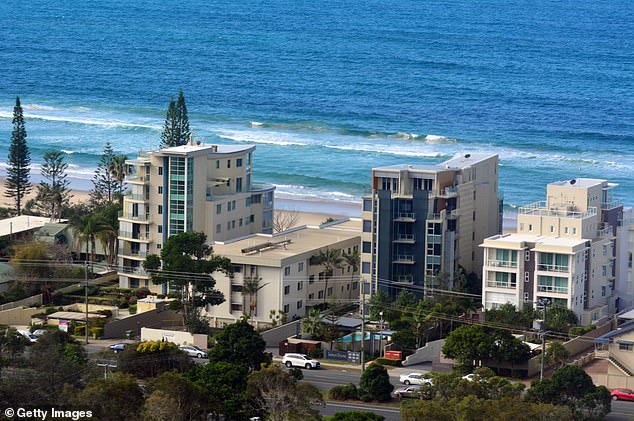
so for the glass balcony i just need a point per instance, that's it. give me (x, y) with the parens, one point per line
(404, 258)
(552, 288)
(406, 217)
(502, 263)
(553, 268)
(498, 284)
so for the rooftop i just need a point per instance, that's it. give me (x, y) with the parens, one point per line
(538, 240)
(582, 183)
(207, 148)
(21, 223)
(459, 161)
(274, 248)
(624, 328)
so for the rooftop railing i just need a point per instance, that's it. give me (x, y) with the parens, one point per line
(540, 209)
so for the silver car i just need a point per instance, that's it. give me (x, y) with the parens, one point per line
(193, 351)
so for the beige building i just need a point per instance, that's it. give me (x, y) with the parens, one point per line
(422, 220)
(564, 250)
(618, 347)
(290, 279)
(195, 187)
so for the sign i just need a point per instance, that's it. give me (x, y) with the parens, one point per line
(63, 325)
(394, 355)
(343, 356)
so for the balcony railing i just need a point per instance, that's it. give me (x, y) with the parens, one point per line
(404, 258)
(506, 285)
(131, 252)
(406, 217)
(405, 279)
(605, 232)
(138, 178)
(540, 209)
(553, 268)
(434, 216)
(611, 204)
(134, 235)
(134, 271)
(126, 215)
(552, 288)
(405, 238)
(502, 263)
(135, 196)
(449, 192)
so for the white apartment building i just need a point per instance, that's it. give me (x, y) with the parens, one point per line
(624, 271)
(194, 187)
(564, 250)
(290, 280)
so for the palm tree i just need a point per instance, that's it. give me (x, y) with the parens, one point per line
(86, 228)
(330, 259)
(313, 325)
(109, 231)
(117, 169)
(352, 260)
(250, 288)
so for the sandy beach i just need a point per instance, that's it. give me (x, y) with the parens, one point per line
(6, 202)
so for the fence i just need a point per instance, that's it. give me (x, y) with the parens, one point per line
(17, 316)
(34, 300)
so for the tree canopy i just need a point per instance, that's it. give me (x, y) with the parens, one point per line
(176, 129)
(18, 183)
(240, 344)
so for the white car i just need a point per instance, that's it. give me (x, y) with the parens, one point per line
(300, 360)
(28, 335)
(415, 378)
(193, 351)
(39, 332)
(471, 377)
(407, 392)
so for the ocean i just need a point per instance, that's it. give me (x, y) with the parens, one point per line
(327, 90)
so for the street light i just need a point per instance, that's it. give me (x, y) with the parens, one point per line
(543, 302)
(381, 336)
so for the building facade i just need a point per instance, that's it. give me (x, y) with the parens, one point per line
(563, 251)
(624, 251)
(194, 187)
(423, 220)
(289, 278)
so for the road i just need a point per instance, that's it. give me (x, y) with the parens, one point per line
(390, 414)
(327, 377)
(621, 411)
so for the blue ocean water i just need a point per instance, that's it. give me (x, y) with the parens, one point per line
(330, 89)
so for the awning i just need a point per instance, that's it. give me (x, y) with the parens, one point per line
(625, 342)
(601, 340)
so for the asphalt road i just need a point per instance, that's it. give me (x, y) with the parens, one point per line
(621, 411)
(390, 414)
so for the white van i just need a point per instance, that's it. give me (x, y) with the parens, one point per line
(299, 360)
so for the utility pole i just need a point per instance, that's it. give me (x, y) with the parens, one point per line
(362, 330)
(86, 297)
(381, 337)
(106, 368)
(543, 303)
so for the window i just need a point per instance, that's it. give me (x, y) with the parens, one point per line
(574, 230)
(552, 228)
(160, 229)
(228, 163)
(286, 308)
(367, 226)
(158, 246)
(527, 256)
(160, 189)
(239, 184)
(474, 215)
(625, 346)
(236, 307)
(299, 304)
(526, 297)
(329, 291)
(365, 267)
(367, 247)
(218, 228)
(300, 286)
(311, 296)
(160, 170)
(239, 162)
(300, 267)
(218, 163)
(160, 209)
(565, 230)
(287, 271)
(367, 205)
(252, 218)
(218, 209)
(527, 276)
(287, 289)
(320, 295)
(311, 279)
(240, 222)
(530, 227)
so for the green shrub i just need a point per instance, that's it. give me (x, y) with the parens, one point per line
(375, 384)
(132, 308)
(343, 392)
(96, 332)
(580, 330)
(79, 330)
(316, 353)
(389, 361)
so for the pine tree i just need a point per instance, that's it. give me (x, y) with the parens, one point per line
(176, 131)
(104, 184)
(54, 193)
(183, 121)
(19, 160)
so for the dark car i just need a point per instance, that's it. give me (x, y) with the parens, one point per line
(120, 347)
(622, 395)
(407, 392)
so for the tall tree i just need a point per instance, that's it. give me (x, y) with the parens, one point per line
(117, 171)
(18, 184)
(188, 265)
(87, 227)
(330, 259)
(239, 343)
(176, 129)
(184, 133)
(104, 184)
(53, 193)
(250, 288)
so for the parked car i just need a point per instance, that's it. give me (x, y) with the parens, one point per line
(39, 332)
(300, 360)
(622, 395)
(193, 351)
(28, 335)
(471, 377)
(415, 378)
(407, 392)
(120, 347)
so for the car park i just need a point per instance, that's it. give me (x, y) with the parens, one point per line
(120, 347)
(622, 395)
(300, 360)
(193, 351)
(415, 378)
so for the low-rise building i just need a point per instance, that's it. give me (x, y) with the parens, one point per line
(289, 278)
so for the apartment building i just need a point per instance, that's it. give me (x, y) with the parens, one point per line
(194, 187)
(422, 220)
(624, 252)
(563, 251)
(291, 281)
